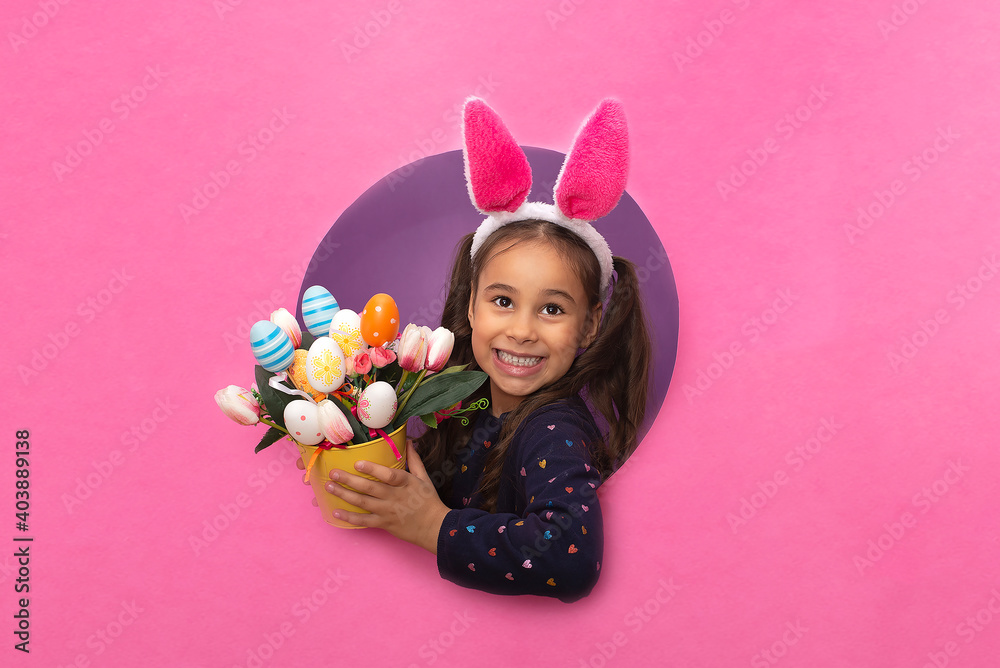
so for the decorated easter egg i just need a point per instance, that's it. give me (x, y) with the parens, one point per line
(302, 422)
(379, 320)
(318, 309)
(325, 367)
(345, 329)
(377, 405)
(271, 346)
(297, 372)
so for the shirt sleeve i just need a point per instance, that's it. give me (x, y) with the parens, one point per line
(555, 547)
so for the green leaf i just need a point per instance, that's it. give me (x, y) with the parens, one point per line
(430, 420)
(273, 399)
(272, 435)
(451, 369)
(360, 431)
(439, 392)
(307, 340)
(390, 373)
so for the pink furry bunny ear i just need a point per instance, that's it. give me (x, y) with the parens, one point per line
(496, 169)
(592, 178)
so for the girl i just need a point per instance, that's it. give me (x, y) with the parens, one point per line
(509, 504)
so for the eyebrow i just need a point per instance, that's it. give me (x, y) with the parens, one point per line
(551, 292)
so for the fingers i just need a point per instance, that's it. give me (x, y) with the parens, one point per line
(340, 478)
(302, 467)
(394, 477)
(414, 462)
(359, 486)
(363, 501)
(357, 519)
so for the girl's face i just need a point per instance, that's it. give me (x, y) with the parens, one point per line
(528, 317)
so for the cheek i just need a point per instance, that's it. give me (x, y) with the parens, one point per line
(578, 334)
(480, 346)
(567, 341)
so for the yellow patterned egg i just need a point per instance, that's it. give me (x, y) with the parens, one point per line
(325, 365)
(345, 329)
(297, 372)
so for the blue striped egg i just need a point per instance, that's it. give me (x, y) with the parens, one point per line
(271, 346)
(318, 309)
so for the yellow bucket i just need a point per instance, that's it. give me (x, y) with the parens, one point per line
(377, 451)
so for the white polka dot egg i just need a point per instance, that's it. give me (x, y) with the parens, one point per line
(302, 422)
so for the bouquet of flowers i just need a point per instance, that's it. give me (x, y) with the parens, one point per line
(344, 389)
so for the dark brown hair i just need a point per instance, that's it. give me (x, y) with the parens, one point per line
(611, 374)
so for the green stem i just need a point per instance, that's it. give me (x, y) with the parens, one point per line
(268, 422)
(407, 397)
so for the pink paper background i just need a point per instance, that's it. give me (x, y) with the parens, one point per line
(136, 313)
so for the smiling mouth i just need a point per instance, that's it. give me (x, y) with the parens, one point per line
(517, 360)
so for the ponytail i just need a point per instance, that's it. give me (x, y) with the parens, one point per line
(614, 370)
(438, 446)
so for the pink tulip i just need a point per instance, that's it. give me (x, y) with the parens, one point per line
(439, 347)
(289, 325)
(381, 356)
(333, 423)
(238, 404)
(362, 362)
(412, 347)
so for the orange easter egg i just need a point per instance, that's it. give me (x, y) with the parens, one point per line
(379, 320)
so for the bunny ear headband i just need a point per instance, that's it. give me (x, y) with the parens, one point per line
(589, 185)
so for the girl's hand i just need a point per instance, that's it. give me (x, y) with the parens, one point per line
(302, 467)
(404, 504)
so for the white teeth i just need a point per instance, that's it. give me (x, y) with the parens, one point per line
(518, 361)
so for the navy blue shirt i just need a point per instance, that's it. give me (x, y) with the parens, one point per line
(547, 536)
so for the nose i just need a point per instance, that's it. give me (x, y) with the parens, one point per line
(521, 327)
